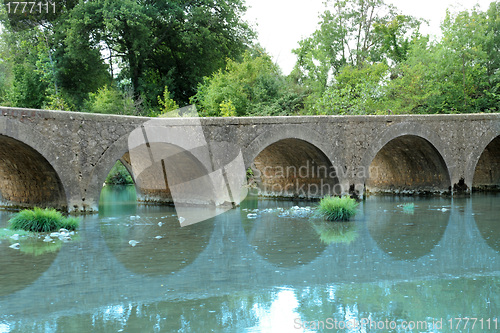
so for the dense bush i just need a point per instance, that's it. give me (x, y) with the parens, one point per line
(336, 208)
(111, 101)
(252, 87)
(42, 220)
(119, 175)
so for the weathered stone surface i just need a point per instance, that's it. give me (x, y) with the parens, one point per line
(62, 158)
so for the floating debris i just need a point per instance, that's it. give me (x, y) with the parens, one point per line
(133, 242)
(15, 246)
(158, 237)
(15, 237)
(252, 216)
(181, 219)
(297, 212)
(160, 224)
(408, 208)
(47, 239)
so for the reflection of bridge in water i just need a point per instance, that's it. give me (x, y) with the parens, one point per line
(93, 273)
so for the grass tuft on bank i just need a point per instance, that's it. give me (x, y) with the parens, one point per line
(336, 208)
(42, 220)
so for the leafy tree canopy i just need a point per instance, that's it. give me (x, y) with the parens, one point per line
(254, 86)
(137, 46)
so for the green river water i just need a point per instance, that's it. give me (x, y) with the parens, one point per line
(262, 267)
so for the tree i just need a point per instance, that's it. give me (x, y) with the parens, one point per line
(20, 56)
(162, 43)
(138, 46)
(457, 73)
(396, 36)
(254, 86)
(415, 80)
(353, 32)
(36, 42)
(355, 91)
(109, 100)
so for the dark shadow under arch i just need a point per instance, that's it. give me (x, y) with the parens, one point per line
(408, 164)
(487, 172)
(178, 171)
(27, 179)
(154, 181)
(295, 168)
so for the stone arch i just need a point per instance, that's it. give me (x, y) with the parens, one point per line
(408, 158)
(483, 167)
(101, 171)
(151, 184)
(29, 172)
(294, 162)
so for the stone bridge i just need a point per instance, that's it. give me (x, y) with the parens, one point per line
(61, 159)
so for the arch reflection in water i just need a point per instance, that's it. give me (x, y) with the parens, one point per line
(33, 253)
(485, 210)
(282, 241)
(118, 200)
(407, 236)
(163, 245)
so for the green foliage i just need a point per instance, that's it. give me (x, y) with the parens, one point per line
(167, 104)
(365, 58)
(36, 247)
(8, 233)
(396, 36)
(357, 90)
(42, 220)
(57, 102)
(385, 66)
(336, 208)
(174, 43)
(249, 173)
(227, 109)
(408, 208)
(27, 89)
(119, 175)
(335, 232)
(133, 45)
(110, 100)
(354, 33)
(254, 86)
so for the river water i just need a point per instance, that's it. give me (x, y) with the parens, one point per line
(262, 267)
